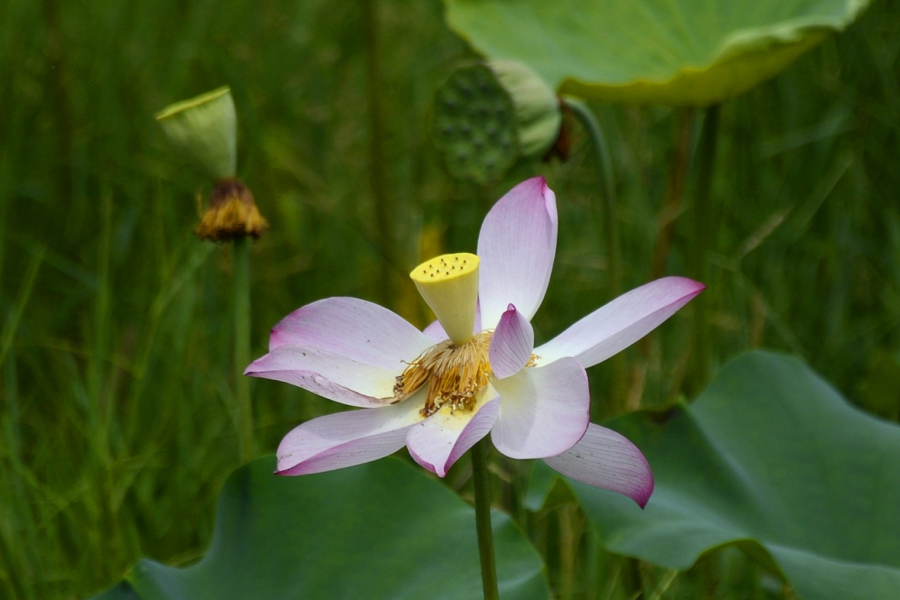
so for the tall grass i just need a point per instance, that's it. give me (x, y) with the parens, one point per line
(117, 425)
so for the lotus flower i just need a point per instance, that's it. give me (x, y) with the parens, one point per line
(475, 370)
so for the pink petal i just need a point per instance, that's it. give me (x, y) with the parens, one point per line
(332, 376)
(440, 440)
(543, 411)
(511, 344)
(344, 349)
(606, 459)
(435, 332)
(358, 330)
(347, 438)
(612, 328)
(516, 246)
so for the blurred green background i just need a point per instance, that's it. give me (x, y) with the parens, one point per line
(117, 423)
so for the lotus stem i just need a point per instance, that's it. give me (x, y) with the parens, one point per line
(603, 165)
(483, 520)
(703, 236)
(242, 347)
(664, 585)
(678, 175)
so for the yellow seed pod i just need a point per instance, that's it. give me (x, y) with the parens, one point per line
(449, 285)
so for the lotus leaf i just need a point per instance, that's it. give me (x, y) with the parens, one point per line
(679, 52)
(380, 530)
(772, 460)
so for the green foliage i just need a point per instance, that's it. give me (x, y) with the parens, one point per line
(772, 460)
(381, 530)
(676, 53)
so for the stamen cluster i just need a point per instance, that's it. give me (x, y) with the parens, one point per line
(456, 374)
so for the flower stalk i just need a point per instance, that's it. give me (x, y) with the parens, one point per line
(242, 354)
(204, 131)
(703, 236)
(603, 165)
(604, 168)
(483, 520)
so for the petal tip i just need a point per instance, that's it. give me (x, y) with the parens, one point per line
(642, 496)
(252, 369)
(642, 492)
(422, 462)
(287, 471)
(690, 285)
(284, 465)
(697, 285)
(538, 185)
(539, 180)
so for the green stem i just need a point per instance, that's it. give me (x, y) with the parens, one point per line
(604, 168)
(59, 96)
(18, 309)
(568, 550)
(100, 413)
(483, 520)
(703, 235)
(664, 585)
(603, 164)
(678, 171)
(242, 347)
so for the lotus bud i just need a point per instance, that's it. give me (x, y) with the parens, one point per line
(204, 129)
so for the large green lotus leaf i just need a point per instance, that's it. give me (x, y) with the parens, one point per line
(675, 52)
(773, 460)
(381, 530)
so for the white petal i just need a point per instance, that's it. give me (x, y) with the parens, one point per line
(543, 411)
(440, 440)
(347, 438)
(612, 328)
(361, 331)
(435, 332)
(344, 349)
(334, 377)
(511, 344)
(606, 459)
(516, 246)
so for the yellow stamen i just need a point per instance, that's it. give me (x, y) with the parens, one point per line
(456, 374)
(232, 214)
(449, 284)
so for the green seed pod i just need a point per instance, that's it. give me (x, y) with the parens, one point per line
(204, 129)
(489, 115)
(538, 117)
(474, 125)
